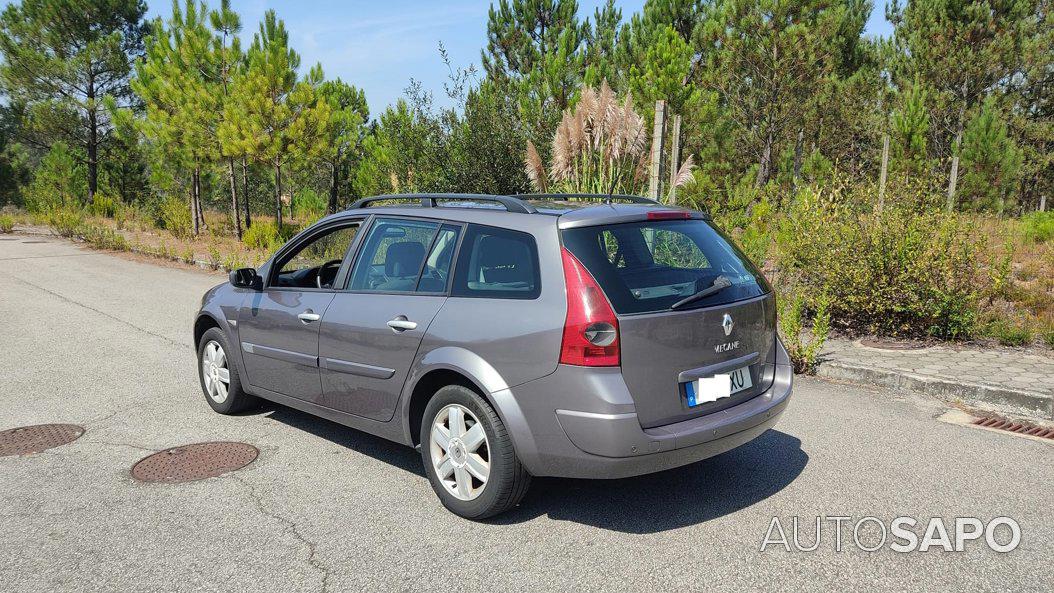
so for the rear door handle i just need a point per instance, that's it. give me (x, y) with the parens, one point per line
(400, 323)
(308, 316)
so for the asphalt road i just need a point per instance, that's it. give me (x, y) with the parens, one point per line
(104, 341)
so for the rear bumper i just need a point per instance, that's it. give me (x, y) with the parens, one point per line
(610, 443)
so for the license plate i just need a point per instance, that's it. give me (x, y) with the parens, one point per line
(709, 389)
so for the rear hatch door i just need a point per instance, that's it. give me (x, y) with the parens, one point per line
(645, 269)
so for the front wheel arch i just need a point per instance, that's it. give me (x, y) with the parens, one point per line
(202, 324)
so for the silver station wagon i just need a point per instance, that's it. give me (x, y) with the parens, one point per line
(507, 337)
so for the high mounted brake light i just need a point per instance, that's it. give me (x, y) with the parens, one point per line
(669, 215)
(591, 329)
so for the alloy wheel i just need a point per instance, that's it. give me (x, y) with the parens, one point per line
(215, 371)
(460, 452)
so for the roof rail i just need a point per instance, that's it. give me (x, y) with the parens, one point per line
(589, 197)
(431, 201)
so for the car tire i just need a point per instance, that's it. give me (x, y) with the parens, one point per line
(216, 363)
(506, 479)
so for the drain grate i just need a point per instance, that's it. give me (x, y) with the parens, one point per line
(34, 439)
(1019, 427)
(189, 463)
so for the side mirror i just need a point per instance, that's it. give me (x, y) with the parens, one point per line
(245, 278)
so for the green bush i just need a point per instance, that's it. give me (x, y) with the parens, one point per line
(262, 235)
(804, 351)
(104, 204)
(58, 182)
(102, 237)
(893, 272)
(1038, 226)
(174, 216)
(1009, 333)
(65, 221)
(308, 206)
(7, 223)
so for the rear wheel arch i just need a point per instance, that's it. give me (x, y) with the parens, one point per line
(427, 386)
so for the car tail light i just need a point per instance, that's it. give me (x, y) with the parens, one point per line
(669, 215)
(591, 329)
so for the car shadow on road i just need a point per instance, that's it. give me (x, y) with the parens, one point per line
(652, 503)
(675, 498)
(394, 454)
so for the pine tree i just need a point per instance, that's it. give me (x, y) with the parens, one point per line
(345, 132)
(535, 52)
(768, 60)
(227, 57)
(963, 50)
(272, 117)
(181, 101)
(991, 160)
(62, 59)
(911, 126)
(662, 72)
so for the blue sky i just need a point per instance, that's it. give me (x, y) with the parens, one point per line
(380, 46)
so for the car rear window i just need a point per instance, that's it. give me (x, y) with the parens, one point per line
(648, 266)
(497, 263)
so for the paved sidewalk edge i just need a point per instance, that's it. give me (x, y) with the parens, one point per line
(1028, 402)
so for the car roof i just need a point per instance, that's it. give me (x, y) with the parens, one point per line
(517, 211)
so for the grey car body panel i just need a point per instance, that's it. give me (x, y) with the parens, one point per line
(658, 349)
(616, 213)
(278, 350)
(564, 420)
(364, 362)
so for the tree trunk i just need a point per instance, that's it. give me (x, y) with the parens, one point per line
(194, 203)
(797, 162)
(93, 158)
(245, 193)
(953, 178)
(278, 195)
(201, 205)
(235, 212)
(766, 160)
(93, 141)
(883, 172)
(334, 188)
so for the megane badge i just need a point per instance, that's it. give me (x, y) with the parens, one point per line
(727, 324)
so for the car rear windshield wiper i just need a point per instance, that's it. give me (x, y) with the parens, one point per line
(720, 283)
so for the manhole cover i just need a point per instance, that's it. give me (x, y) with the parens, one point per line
(892, 345)
(34, 439)
(193, 462)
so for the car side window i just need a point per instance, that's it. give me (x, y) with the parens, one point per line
(315, 263)
(392, 256)
(436, 272)
(497, 263)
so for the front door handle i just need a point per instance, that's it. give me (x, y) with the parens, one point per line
(308, 316)
(400, 323)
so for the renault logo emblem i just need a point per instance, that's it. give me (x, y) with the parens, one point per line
(727, 324)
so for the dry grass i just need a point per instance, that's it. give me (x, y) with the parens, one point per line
(599, 146)
(1021, 305)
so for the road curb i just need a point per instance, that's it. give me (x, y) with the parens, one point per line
(1019, 401)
